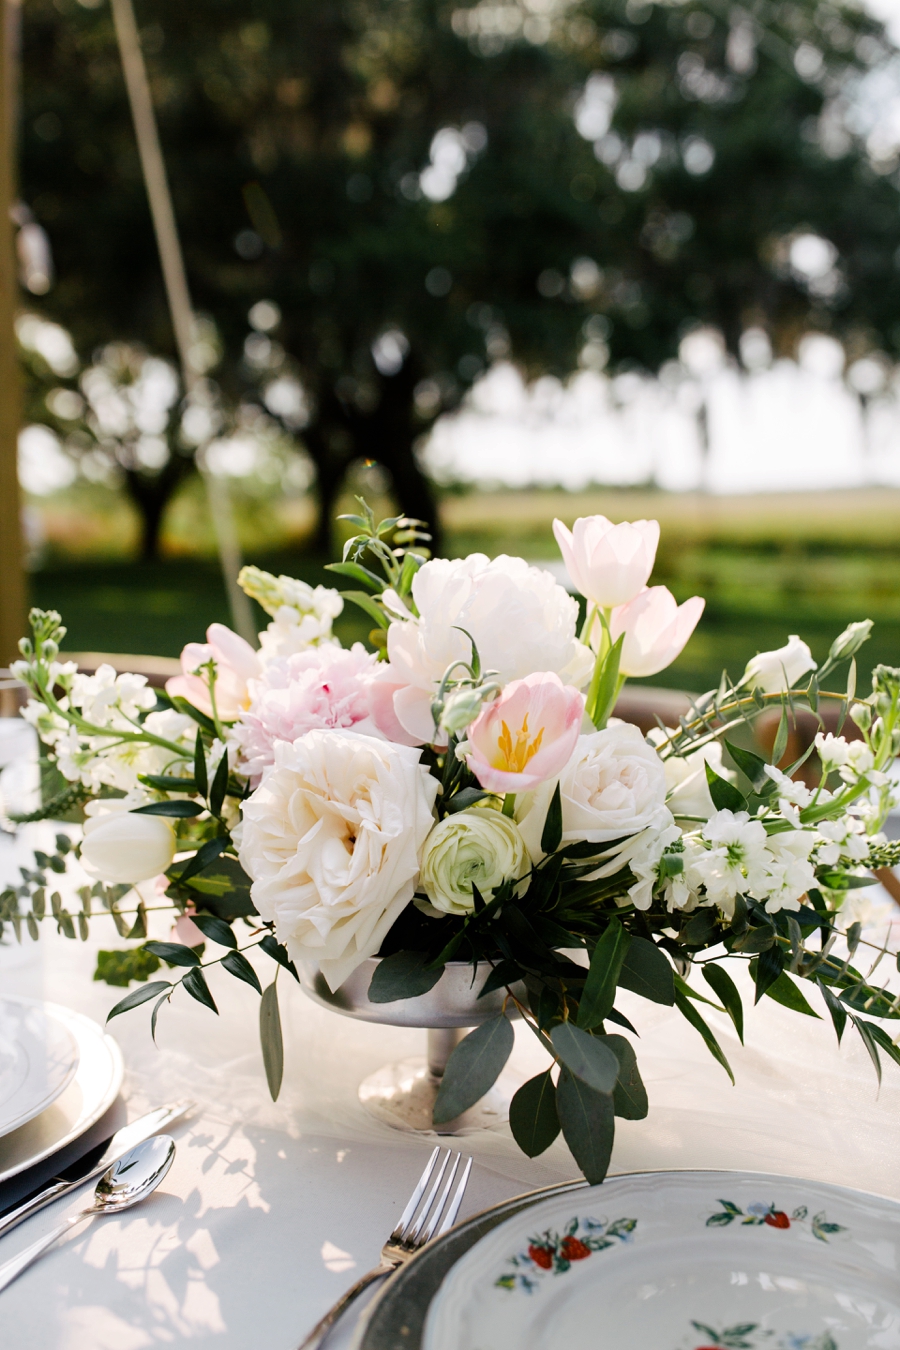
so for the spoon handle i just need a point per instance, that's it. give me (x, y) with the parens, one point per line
(11, 1270)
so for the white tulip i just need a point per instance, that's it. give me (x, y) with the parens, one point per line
(774, 672)
(122, 848)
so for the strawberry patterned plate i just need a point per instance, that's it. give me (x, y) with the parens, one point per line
(681, 1261)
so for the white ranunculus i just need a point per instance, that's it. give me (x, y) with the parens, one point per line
(122, 848)
(614, 785)
(775, 671)
(521, 620)
(480, 846)
(332, 839)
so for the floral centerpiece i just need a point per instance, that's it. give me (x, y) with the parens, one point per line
(461, 793)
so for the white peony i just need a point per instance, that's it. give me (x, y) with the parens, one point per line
(776, 671)
(332, 839)
(521, 620)
(614, 785)
(480, 846)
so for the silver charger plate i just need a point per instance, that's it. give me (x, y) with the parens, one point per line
(38, 1059)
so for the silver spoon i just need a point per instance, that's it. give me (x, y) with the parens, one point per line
(129, 1180)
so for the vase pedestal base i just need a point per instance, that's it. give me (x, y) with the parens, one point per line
(403, 1095)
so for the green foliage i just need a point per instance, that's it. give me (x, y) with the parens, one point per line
(646, 971)
(532, 1115)
(271, 1039)
(588, 1057)
(599, 991)
(588, 1124)
(405, 974)
(629, 1094)
(473, 1068)
(119, 968)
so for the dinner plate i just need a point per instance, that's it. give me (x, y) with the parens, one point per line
(681, 1261)
(91, 1092)
(38, 1060)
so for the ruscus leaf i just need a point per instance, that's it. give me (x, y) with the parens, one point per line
(195, 984)
(175, 953)
(178, 810)
(725, 796)
(217, 930)
(237, 965)
(551, 837)
(270, 1039)
(725, 989)
(278, 952)
(137, 997)
(687, 1009)
(836, 1009)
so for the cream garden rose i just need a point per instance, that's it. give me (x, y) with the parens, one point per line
(479, 846)
(614, 785)
(332, 839)
(781, 669)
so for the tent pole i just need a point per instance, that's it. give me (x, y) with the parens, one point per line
(171, 257)
(12, 575)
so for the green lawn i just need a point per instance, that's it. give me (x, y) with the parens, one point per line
(767, 566)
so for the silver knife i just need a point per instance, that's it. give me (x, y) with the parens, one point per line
(71, 1177)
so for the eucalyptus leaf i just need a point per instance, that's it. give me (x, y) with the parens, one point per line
(143, 994)
(473, 1068)
(270, 1039)
(629, 1095)
(586, 1056)
(588, 1124)
(645, 970)
(532, 1115)
(503, 974)
(403, 975)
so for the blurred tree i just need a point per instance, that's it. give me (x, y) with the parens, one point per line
(398, 192)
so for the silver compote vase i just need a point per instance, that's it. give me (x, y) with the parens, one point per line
(403, 1094)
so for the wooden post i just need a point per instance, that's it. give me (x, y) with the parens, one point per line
(12, 575)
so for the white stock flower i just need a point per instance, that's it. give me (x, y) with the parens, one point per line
(302, 615)
(482, 847)
(832, 750)
(842, 839)
(332, 839)
(111, 700)
(773, 672)
(614, 785)
(789, 871)
(735, 861)
(122, 848)
(521, 620)
(644, 863)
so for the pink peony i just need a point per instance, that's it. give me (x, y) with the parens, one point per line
(325, 687)
(527, 735)
(236, 664)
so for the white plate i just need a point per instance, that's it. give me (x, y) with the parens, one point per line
(38, 1059)
(91, 1092)
(681, 1261)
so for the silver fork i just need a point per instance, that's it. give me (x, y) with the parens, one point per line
(417, 1225)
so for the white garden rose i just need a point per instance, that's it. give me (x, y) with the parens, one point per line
(521, 620)
(779, 670)
(688, 789)
(332, 839)
(483, 847)
(614, 785)
(122, 848)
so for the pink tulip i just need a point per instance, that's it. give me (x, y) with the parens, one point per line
(609, 564)
(527, 735)
(656, 630)
(236, 663)
(185, 931)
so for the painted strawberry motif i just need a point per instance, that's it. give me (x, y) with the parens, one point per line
(541, 1256)
(573, 1249)
(777, 1218)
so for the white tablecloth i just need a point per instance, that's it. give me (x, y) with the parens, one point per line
(272, 1209)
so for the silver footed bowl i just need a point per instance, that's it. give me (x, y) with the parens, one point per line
(453, 1002)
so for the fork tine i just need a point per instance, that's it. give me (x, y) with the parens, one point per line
(441, 1202)
(413, 1235)
(450, 1217)
(416, 1196)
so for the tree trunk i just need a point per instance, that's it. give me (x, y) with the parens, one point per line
(151, 495)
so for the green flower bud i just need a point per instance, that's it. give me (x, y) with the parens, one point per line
(849, 642)
(861, 714)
